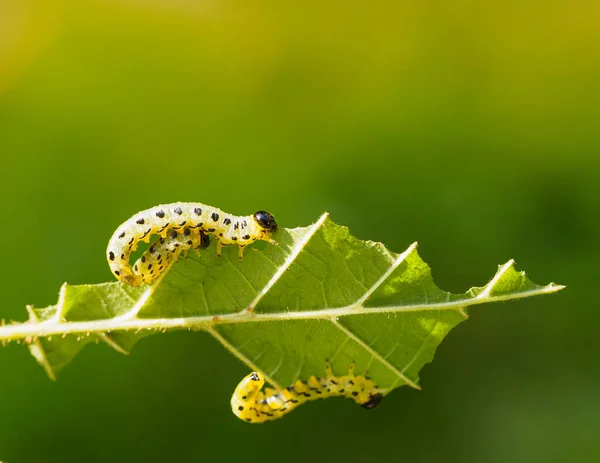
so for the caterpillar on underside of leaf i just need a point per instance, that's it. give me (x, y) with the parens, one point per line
(251, 404)
(181, 226)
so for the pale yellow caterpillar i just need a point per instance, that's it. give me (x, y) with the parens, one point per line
(181, 226)
(251, 404)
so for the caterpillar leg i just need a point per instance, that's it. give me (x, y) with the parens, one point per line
(328, 369)
(351, 369)
(204, 240)
(200, 241)
(130, 278)
(241, 251)
(219, 248)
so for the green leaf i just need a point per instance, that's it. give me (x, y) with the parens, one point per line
(319, 294)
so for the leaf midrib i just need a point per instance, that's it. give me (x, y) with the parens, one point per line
(51, 327)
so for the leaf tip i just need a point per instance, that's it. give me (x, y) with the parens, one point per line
(323, 217)
(554, 287)
(107, 338)
(38, 352)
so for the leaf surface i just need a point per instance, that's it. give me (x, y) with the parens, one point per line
(284, 310)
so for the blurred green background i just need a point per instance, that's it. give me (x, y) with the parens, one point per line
(469, 126)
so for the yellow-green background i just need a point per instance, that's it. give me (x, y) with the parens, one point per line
(469, 126)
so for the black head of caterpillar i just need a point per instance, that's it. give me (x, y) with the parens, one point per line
(181, 226)
(251, 404)
(265, 220)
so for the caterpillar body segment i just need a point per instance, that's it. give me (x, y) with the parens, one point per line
(251, 404)
(181, 226)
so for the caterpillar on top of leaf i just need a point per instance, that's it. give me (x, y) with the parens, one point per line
(181, 226)
(251, 404)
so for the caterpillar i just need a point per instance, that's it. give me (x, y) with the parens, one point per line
(181, 226)
(251, 404)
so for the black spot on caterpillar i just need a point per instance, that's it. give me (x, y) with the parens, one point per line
(249, 403)
(181, 226)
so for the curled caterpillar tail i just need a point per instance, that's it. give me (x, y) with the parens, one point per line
(251, 404)
(165, 251)
(181, 226)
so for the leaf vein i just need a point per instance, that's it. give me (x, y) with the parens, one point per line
(288, 261)
(376, 354)
(240, 356)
